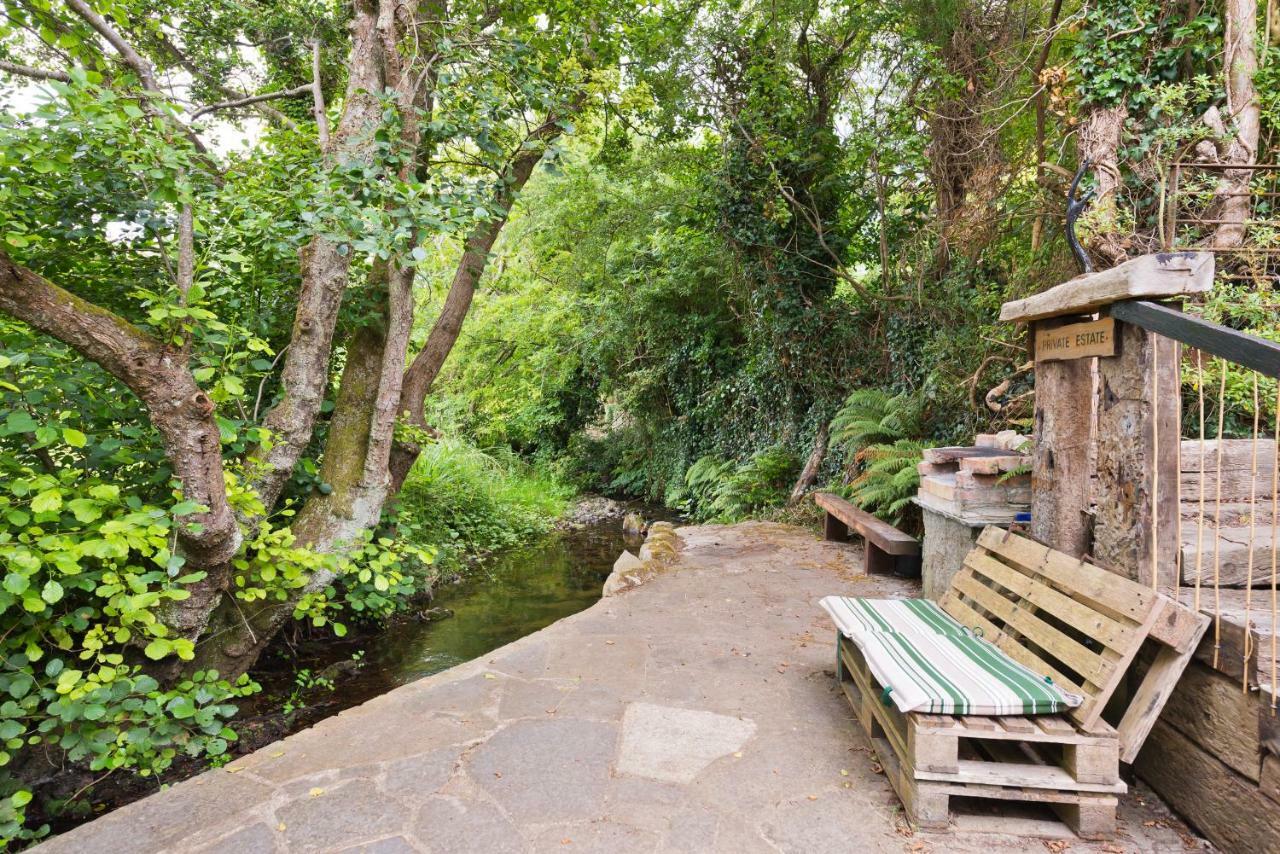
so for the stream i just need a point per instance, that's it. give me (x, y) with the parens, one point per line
(508, 596)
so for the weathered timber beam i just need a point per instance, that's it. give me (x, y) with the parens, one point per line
(1253, 352)
(1165, 274)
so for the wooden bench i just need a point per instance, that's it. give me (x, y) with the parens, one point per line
(886, 549)
(1068, 620)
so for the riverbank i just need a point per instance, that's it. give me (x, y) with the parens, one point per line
(695, 712)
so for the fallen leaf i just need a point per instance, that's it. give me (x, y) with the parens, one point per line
(608, 643)
(738, 755)
(566, 841)
(490, 676)
(813, 797)
(877, 768)
(317, 792)
(277, 753)
(844, 772)
(280, 826)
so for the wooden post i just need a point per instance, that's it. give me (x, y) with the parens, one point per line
(1061, 460)
(1139, 415)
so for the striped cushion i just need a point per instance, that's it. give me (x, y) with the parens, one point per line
(931, 663)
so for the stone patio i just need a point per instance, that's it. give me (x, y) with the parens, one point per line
(695, 713)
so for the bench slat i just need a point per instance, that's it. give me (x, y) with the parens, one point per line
(1110, 593)
(963, 612)
(884, 535)
(1115, 634)
(1037, 631)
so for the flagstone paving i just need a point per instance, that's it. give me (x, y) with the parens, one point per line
(695, 713)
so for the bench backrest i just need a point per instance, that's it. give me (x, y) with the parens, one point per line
(1077, 623)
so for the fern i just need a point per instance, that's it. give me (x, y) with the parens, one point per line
(888, 480)
(872, 416)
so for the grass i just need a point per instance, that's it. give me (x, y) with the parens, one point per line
(468, 501)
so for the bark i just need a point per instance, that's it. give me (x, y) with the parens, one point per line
(1240, 58)
(355, 464)
(179, 409)
(810, 471)
(426, 366)
(1099, 142)
(374, 64)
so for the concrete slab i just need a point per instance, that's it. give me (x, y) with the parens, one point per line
(667, 743)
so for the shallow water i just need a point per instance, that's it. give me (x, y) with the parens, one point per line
(507, 597)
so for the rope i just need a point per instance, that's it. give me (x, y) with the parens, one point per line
(1217, 522)
(1200, 523)
(1155, 462)
(1177, 499)
(1275, 523)
(1253, 529)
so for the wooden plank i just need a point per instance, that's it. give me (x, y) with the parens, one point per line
(1115, 634)
(1229, 809)
(954, 453)
(889, 538)
(1240, 481)
(1114, 595)
(1209, 708)
(994, 465)
(1021, 774)
(1241, 348)
(1160, 275)
(1075, 341)
(1151, 696)
(1139, 423)
(966, 615)
(1270, 782)
(1061, 465)
(1232, 545)
(1053, 641)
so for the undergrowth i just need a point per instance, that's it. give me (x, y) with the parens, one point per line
(471, 501)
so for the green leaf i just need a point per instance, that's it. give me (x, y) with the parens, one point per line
(158, 649)
(47, 502)
(185, 508)
(86, 510)
(20, 798)
(20, 421)
(16, 583)
(52, 592)
(74, 437)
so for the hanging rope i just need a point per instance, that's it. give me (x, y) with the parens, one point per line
(1200, 523)
(1155, 462)
(1275, 525)
(1177, 499)
(1217, 522)
(1253, 530)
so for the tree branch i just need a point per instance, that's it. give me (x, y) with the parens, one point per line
(251, 99)
(177, 407)
(34, 73)
(317, 98)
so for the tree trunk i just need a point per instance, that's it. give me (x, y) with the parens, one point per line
(810, 471)
(355, 466)
(426, 366)
(1099, 142)
(325, 265)
(175, 404)
(1240, 58)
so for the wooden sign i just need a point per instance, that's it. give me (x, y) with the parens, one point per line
(1076, 341)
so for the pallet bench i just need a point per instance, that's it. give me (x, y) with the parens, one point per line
(1062, 617)
(886, 549)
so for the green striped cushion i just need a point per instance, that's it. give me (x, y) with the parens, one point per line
(931, 663)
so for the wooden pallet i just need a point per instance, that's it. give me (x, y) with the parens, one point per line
(1069, 621)
(932, 759)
